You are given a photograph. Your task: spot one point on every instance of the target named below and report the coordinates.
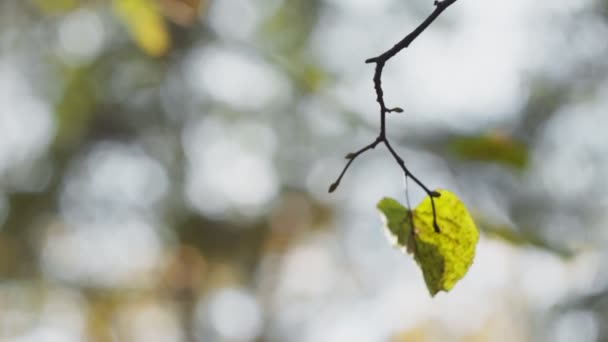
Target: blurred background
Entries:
(164, 167)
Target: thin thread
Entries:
(407, 191)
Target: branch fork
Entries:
(380, 62)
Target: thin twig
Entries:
(351, 157)
(380, 61)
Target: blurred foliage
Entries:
(493, 148)
(76, 104)
(517, 238)
(56, 6)
(153, 104)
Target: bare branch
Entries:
(380, 62)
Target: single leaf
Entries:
(444, 257)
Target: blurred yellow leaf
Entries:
(444, 256)
(494, 147)
(145, 24)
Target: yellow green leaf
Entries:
(397, 222)
(145, 25)
(444, 257)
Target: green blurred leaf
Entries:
(76, 104)
(56, 6)
(288, 28)
(493, 147)
(313, 76)
(443, 257)
(518, 238)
